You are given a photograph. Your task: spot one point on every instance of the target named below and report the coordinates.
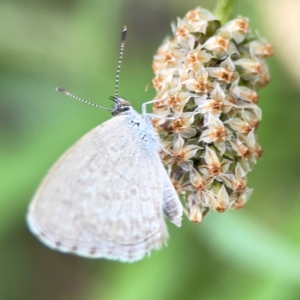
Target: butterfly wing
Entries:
(103, 198)
(172, 207)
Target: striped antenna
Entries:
(80, 99)
(123, 38)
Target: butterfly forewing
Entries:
(104, 197)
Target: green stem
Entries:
(224, 10)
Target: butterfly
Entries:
(107, 196)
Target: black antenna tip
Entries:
(59, 89)
(123, 35)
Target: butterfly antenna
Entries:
(123, 38)
(80, 99)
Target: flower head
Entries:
(207, 76)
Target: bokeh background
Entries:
(253, 253)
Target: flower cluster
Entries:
(206, 78)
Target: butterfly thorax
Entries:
(140, 124)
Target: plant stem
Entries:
(224, 10)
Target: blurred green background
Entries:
(253, 253)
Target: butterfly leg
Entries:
(144, 105)
(160, 117)
(144, 110)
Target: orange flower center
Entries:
(243, 26)
(220, 133)
(222, 43)
(192, 16)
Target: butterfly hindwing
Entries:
(104, 198)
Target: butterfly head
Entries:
(121, 106)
